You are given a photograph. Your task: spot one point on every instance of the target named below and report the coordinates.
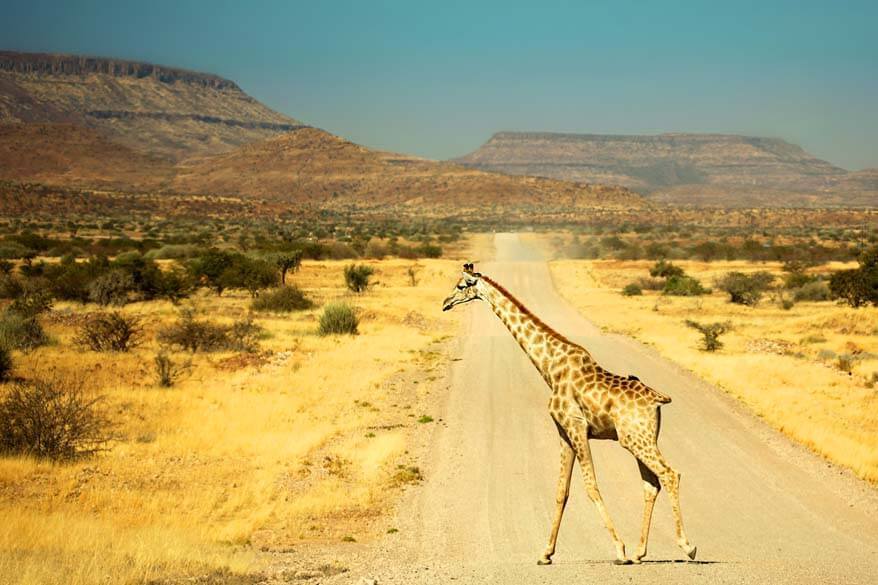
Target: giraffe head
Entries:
(465, 290)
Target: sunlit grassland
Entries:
(300, 441)
(772, 359)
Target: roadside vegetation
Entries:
(173, 403)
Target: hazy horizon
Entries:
(439, 81)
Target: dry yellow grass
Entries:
(299, 442)
(772, 357)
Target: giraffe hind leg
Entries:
(651, 489)
(648, 454)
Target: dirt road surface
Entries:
(759, 508)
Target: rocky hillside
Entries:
(73, 156)
(315, 166)
(153, 109)
(714, 169)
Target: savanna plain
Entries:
(238, 393)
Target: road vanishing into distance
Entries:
(760, 508)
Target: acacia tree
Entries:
(286, 262)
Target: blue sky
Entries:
(438, 78)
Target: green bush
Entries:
(285, 299)
(683, 286)
(664, 269)
(111, 288)
(338, 318)
(55, 418)
(812, 291)
(110, 332)
(632, 290)
(745, 289)
(356, 277)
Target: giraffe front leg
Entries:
(580, 443)
(567, 459)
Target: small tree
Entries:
(710, 333)
(356, 277)
(287, 262)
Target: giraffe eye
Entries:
(461, 286)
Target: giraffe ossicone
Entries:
(586, 402)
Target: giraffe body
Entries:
(586, 402)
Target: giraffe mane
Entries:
(539, 322)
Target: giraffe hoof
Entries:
(623, 562)
(544, 561)
(636, 560)
(692, 552)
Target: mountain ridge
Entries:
(679, 167)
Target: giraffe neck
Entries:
(539, 341)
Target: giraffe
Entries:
(587, 402)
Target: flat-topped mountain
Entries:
(679, 168)
(159, 110)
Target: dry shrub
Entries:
(191, 334)
(56, 418)
(110, 332)
(167, 371)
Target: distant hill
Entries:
(151, 108)
(712, 169)
(318, 167)
(85, 122)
